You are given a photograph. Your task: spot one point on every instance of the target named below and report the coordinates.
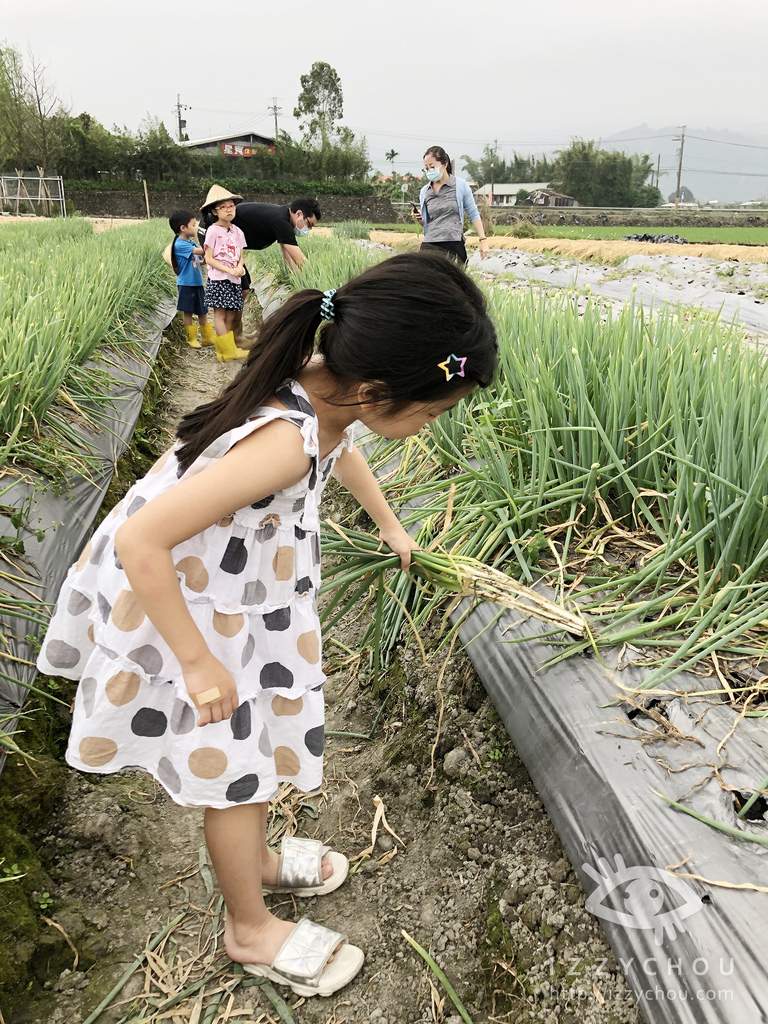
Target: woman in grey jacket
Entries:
(444, 201)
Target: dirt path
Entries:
(605, 250)
(476, 873)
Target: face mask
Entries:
(301, 231)
(434, 174)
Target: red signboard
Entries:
(235, 149)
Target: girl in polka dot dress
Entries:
(190, 618)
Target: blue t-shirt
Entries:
(189, 264)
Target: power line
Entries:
(735, 174)
(722, 142)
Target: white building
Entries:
(506, 195)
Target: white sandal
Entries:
(300, 871)
(302, 961)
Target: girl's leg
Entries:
(187, 318)
(220, 321)
(270, 860)
(231, 314)
(236, 840)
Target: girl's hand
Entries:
(212, 689)
(401, 543)
(483, 248)
(418, 217)
(238, 271)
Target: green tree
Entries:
(481, 170)
(686, 196)
(85, 149)
(518, 168)
(647, 195)
(642, 169)
(576, 172)
(391, 157)
(320, 103)
(158, 156)
(16, 143)
(598, 177)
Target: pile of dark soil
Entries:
(658, 239)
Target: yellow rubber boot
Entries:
(206, 333)
(191, 330)
(226, 349)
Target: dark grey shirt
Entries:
(443, 221)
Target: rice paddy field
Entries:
(612, 483)
(698, 235)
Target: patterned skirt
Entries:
(223, 295)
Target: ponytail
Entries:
(286, 343)
(398, 326)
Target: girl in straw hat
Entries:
(224, 245)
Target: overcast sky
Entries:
(531, 75)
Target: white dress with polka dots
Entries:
(250, 583)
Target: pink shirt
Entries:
(227, 246)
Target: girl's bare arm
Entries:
(263, 463)
(354, 472)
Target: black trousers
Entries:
(454, 250)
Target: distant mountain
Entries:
(731, 167)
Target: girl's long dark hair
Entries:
(177, 220)
(393, 327)
(441, 156)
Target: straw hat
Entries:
(216, 194)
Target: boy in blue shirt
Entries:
(185, 259)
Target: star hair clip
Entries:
(453, 366)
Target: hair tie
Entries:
(453, 366)
(327, 309)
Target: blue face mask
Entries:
(301, 231)
(434, 174)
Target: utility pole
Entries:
(658, 169)
(681, 139)
(274, 109)
(181, 122)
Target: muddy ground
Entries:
(472, 868)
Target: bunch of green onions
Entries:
(364, 559)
